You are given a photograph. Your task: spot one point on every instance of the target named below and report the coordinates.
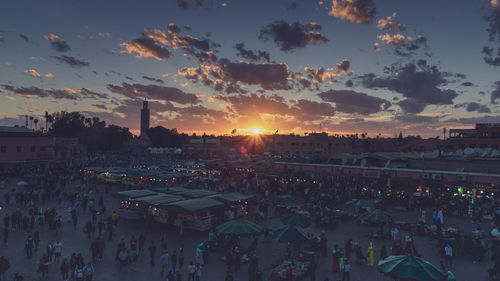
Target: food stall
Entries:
(128, 210)
(236, 203)
(156, 206)
(196, 213)
(299, 269)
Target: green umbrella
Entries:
(284, 199)
(291, 234)
(375, 216)
(299, 218)
(410, 267)
(240, 227)
(360, 203)
(34, 175)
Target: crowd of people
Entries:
(61, 197)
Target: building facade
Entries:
(19, 144)
(485, 135)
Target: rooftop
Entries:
(7, 129)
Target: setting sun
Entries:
(256, 131)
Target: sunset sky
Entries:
(375, 66)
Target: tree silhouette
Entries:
(90, 131)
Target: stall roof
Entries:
(176, 190)
(232, 197)
(194, 205)
(197, 193)
(158, 200)
(133, 194)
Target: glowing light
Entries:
(256, 131)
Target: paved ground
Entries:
(268, 252)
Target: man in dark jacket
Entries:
(4, 266)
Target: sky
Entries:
(341, 66)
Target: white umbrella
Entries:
(22, 183)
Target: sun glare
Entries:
(256, 131)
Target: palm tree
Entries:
(36, 123)
(31, 121)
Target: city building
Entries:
(484, 135)
(20, 144)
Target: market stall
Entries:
(297, 269)
(156, 207)
(196, 213)
(144, 206)
(128, 210)
(236, 203)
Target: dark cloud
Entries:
(467, 84)
(57, 43)
(159, 44)
(137, 91)
(493, 19)
(495, 94)
(306, 110)
(490, 57)
(129, 78)
(100, 106)
(418, 82)
(24, 37)
(227, 75)
(188, 27)
(343, 66)
(253, 104)
(348, 101)
(474, 107)
(475, 120)
(71, 61)
(414, 118)
(255, 55)
(357, 11)
(186, 4)
(153, 79)
(288, 37)
(291, 6)
(62, 93)
(411, 106)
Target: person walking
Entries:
(50, 251)
(29, 247)
(191, 271)
(181, 258)
(152, 253)
(173, 259)
(64, 269)
(371, 255)
(88, 272)
(4, 266)
(79, 273)
(346, 270)
(165, 258)
(197, 274)
(57, 251)
(448, 255)
(142, 241)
